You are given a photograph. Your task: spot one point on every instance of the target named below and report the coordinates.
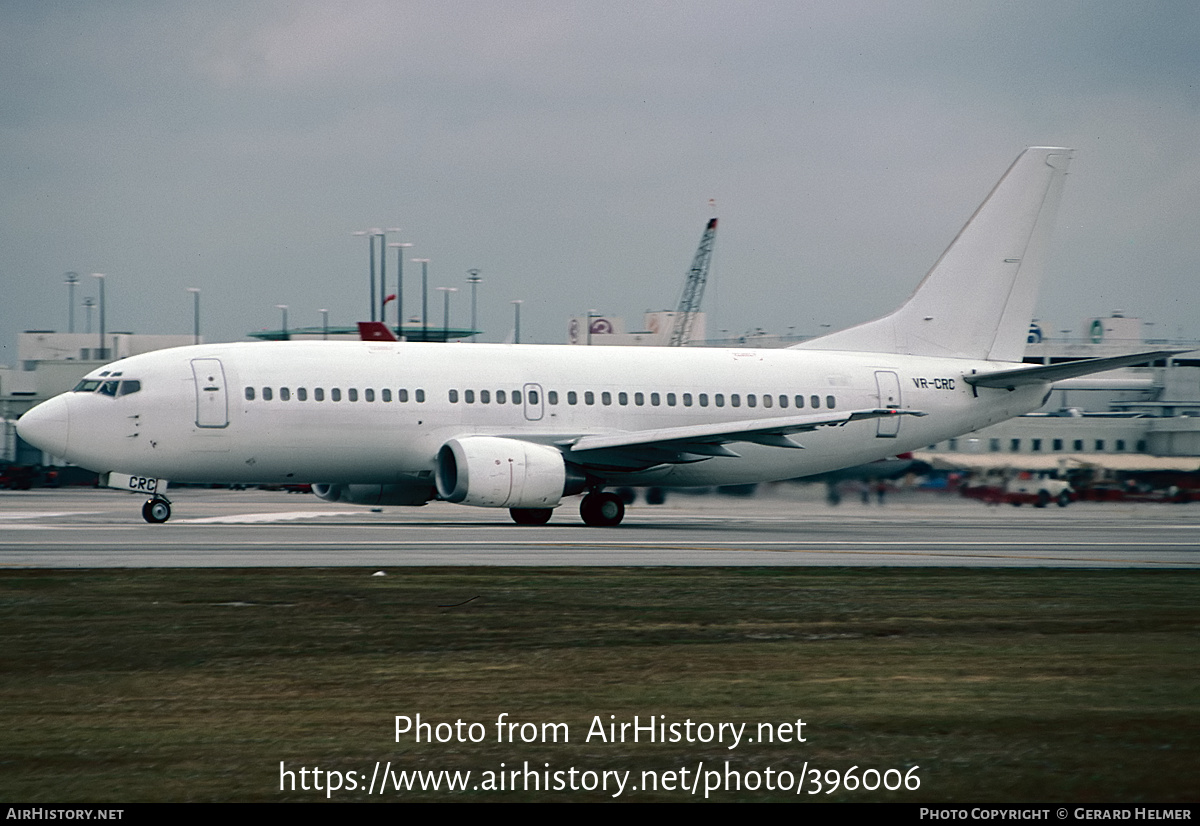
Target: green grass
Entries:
(1001, 685)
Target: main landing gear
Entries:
(602, 510)
(598, 509)
(157, 510)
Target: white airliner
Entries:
(525, 426)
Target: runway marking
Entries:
(44, 514)
(259, 518)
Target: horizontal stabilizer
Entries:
(1022, 376)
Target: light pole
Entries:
(370, 233)
(473, 279)
(383, 271)
(100, 276)
(72, 278)
(284, 308)
(88, 303)
(445, 291)
(324, 324)
(517, 320)
(591, 314)
(195, 291)
(424, 262)
(400, 247)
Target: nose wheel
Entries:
(602, 510)
(156, 510)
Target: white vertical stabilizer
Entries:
(978, 299)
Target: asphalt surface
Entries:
(784, 525)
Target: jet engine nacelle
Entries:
(493, 472)
(375, 494)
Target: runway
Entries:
(789, 525)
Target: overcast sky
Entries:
(569, 151)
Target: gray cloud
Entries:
(569, 150)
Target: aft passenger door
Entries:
(887, 384)
(212, 404)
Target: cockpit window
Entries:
(86, 386)
(109, 388)
(130, 386)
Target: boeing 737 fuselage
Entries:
(522, 427)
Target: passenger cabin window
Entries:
(799, 402)
(319, 394)
(639, 399)
(485, 397)
(249, 394)
(469, 396)
(606, 398)
(552, 396)
(386, 394)
(830, 402)
(402, 395)
(589, 397)
(369, 395)
(719, 399)
(420, 396)
(453, 397)
(502, 397)
(516, 396)
(302, 394)
(267, 394)
(687, 399)
(533, 397)
(351, 394)
(670, 400)
(285, 394)
(335, 394)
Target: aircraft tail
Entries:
(978, 299)
(375, 331)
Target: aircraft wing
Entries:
(691, 443)
(1009, 379)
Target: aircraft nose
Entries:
(47, 426)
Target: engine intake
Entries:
(494, 472)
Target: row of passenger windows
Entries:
(639, 399)
(335, 394)
(573, 397)
(1055, 445)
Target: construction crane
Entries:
(693, 288)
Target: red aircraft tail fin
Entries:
(375, 331)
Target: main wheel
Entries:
(530, 516)
(602, 510)
(1064, 499)
(156, 511)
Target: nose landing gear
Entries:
(156, 510)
